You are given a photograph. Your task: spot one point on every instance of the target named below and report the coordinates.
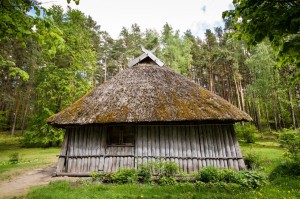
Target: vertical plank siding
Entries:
(192, 147)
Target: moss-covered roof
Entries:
(148, 93)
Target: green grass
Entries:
(29, 157)
(269, 155)
(282, 188)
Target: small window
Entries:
(120, 135)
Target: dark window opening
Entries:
(121, 135)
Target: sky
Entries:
(112, 15)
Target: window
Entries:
(121, 135)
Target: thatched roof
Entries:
(148, 93)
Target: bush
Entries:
(248, 179)
(123, 176)
(229, 175)
(251, 179)
(167, 180)
(291, 140)
(252, 160)
(210, 174)
(170, 169)
(41, 134)
(246, 132)
(49, 137)
(144, 174)
(3, 120)
(100, 176)
(288, 167)
(14, 158)
(163, 168)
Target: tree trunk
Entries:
(237, 92)
(230, 92)
(223, 83)
(275, 115)
(259, 118)
(26, 109)
(211, 78)
(15, 117)
(292, 108)
(267, 117)
(242, 95)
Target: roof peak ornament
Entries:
(147, 53)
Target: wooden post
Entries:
(202, 145)
(64, 148)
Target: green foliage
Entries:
(99, 176)
(247, 179)
(170, 169)
(48, 136)
(144, 174)
(286, 168)
(246, 132)
(210, 174)
(3, 120)
(164, 168)
(14, 158)
(123, 176)
(253, 160)
(167, 180)
(177, 51)
(291, 140)
(290, 165)
(278, 21)
(252, 179)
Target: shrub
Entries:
(251, 179)
(229, 175)
(288, 167)
(123, 176)
(41, 134)
(144, 174)
(246, 132)
(248, 179)
(48, 137)
(170, 169)
(99, 176)
(3, 120)
(14, 158)
(210, 174)
(164, 168)
(291, 140)
(252, 160)
(167, 180)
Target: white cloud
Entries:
(112, 15)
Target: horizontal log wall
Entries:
(192, 147)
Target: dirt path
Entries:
(20, 185)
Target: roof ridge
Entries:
(146, 54)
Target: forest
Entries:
(51, 57)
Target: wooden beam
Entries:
(147, 53)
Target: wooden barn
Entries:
(144, 114)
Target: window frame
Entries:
(121, 131)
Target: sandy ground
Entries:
(21, 184)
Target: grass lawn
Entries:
(269, 151)
(282, 188)
(29, 157)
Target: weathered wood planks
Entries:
(192, 147)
